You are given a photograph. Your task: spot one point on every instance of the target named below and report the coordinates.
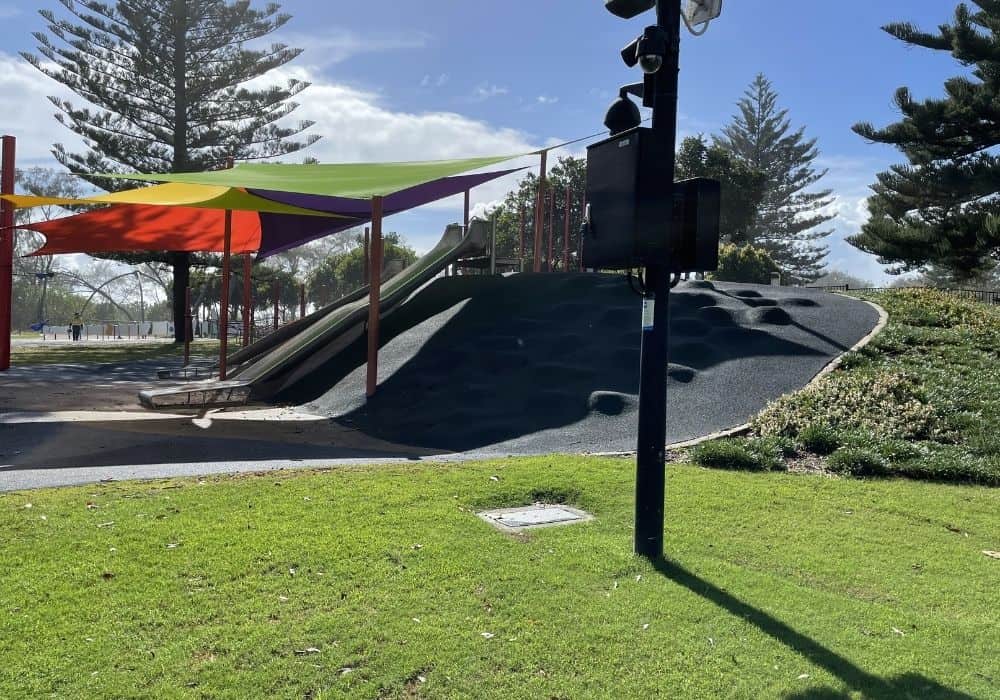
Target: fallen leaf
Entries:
(993, 555)
(494, 478)
(711, 641)
(417, 620)
(418, 546)
(638, 578)
(43, 517)
(803, 676)
(108, 524)
(92, 506)
(27, 505)
(283, 599)
(345, 670)
(421, 679)
(173, 545)
(291, 572)
(307, 650)
(488, 635)
(899, 632)
(646, 626)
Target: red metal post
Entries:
(302, 301)
(224, 302)
(552, 225)
(374, 297)
(277, 303)
(188, 322)
(520, 244)
(539, 212)
(366, 275)
(565, 265)
(247, 296)
(7, 165)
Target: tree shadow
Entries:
(904, 686)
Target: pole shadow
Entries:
(910, 685)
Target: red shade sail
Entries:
(127, 228)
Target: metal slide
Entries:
(316, 338)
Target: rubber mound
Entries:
(549, 363)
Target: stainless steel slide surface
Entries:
(292, 359)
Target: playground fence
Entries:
(986, 296)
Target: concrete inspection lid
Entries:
(534, 516)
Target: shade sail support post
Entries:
(565, 260)
(374, 298)
(302, 301)
(539, 214)
(247, 296)
(277, 303)
(227, 243)
(520, 244)
(367, 274)
(552, 227)
(7, 234)
(188, 326)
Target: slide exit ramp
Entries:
(286, 361)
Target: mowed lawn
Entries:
(383, 583)
(110, 352)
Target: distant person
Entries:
(77, 326)
(150, 334)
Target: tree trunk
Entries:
(182, 279)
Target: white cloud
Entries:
(338, 45)
(431, 81)
(28, 114)
(9, 11)
(488, 91)
(547, 100)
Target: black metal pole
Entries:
(650, 478)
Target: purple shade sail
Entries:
(281, 233)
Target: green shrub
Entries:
(738, 454)
(819, 439)
(886, 403)
(857, 461)
(744, 263)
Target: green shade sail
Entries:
(352, 180)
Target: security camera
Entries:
(647, 51)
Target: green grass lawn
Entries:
(922, 400)
(67, 353)
(382, 583)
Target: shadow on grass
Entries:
(908, 685)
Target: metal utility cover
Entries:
(538, 515)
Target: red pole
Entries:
(565, 266)
(302, 301)
(466, 217)
(7, 164)
(366, 275)
(374, 296)
(539, 213)
(187, 326)
(247, 286)
(552, 225)
(277, 303)
(520, 244)
(224, 308)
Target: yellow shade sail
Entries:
(175, 195)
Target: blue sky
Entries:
(440, 78)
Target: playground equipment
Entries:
(290, 354)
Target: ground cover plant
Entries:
(383, 583)
(922, 400)
(67, 353)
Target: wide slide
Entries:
(289, 357)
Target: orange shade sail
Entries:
(148, 228)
